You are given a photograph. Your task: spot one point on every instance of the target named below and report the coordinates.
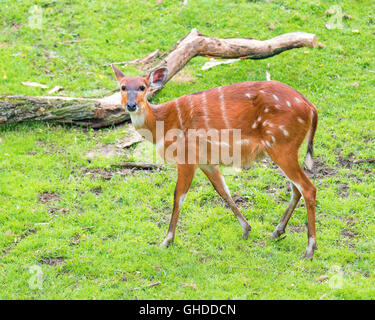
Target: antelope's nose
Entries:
(131, 106)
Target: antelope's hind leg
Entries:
(290, 166)
(217, 180)
(280, 229)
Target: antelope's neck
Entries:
(146, 122)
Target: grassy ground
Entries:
(74, 229)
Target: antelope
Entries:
(273, 119)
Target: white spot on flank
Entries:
(268, 131)
(273, 139)
(277, 106)
(248, 95)
(262, 91)
(266, 110)
(297, 100)
(222, 107)
(268, 144)
(255, 124)
(259, 118)
(179, 113)
(270, 125)
(275, 97)
(244, 141)
(289, 104)
(300, 120)
(282, 128)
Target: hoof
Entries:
(310, 249)
(246, 231)
(167, 241)
(277, 233)
(309, 254)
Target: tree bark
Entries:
(95, 113)
(106, 111)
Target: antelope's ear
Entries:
(157, 78)
(118, 73)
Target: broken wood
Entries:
(195, 44)
(364, 160)
(102, 112)
(139, 165)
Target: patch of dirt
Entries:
(349, 233)
(106, 174)
(17, 241)
(97, 190)
(350, 222)
(58, 261)
(47, 197)
(343, 190)
(345, 162)
(240, 201)
(297, 229)
(320, 170)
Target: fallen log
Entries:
(95, 113)
(102, 112)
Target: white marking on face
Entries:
(300, 120)
(282, 128)
(289, 104)
(275, 97)
(179, 114)
(297, 100)
(138, 119)
(222, 107)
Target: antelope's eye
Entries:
(123, 88)
(142, 88)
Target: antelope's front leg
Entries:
(185, 175)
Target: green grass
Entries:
(98, 238)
